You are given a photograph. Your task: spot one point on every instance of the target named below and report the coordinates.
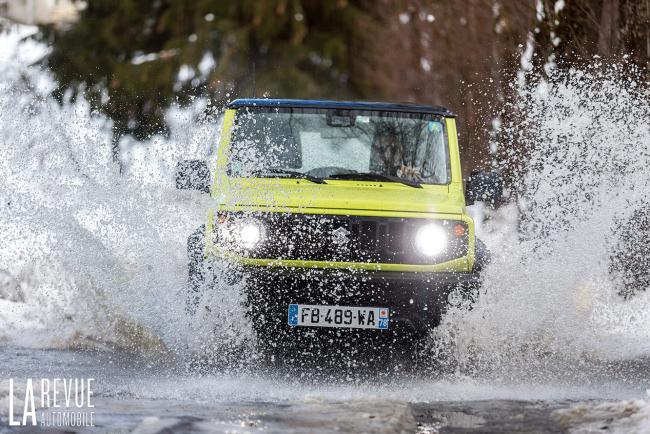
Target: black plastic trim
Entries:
(347, 105)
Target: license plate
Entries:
(308, 315)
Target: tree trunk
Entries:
(608, 37)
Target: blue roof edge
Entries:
(350, 105)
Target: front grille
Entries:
(336, 238)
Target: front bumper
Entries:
(416, 300)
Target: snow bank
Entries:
(623, 417)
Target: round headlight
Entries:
(250, 234)
(431, 239)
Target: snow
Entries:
(140, 58)
(425, 64)
(622, 417)
(185, 73)
(525, 62)
(207, 64)
(539, 10)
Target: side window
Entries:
(432, 153)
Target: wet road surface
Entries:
(140, 396)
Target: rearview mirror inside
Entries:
(339, 118)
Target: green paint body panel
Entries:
(340, 197)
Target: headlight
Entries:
(431, 239)
(250, 233)
(238, 233)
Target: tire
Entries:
(482, 256)
(195, 269)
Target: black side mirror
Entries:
(484, 187)
(193, 175)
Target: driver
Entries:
(386, 153)
(387, 156)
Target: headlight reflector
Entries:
(431, 239)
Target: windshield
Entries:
(344, 144)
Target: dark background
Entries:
(464, 55)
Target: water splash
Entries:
(580, 146)
(91, 256)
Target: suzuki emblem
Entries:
(340, 236)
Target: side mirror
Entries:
(484, 187)
(193, 175)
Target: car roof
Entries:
(329, 104)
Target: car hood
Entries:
(337, 195)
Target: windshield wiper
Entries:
(284, 173)
(369, 176)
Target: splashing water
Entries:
(549, 304)
(90, 255)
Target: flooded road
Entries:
(137, 395)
